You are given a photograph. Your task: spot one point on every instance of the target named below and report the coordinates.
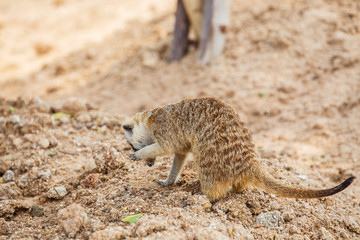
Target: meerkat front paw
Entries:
(133, 157)
(150, 161)
(163, 183)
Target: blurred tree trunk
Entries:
(213, 31)
(209, 19)
(180, 42)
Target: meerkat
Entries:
(222, 147)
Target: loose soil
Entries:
(291, 69)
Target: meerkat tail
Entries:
(268, 183)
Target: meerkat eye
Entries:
(128, 128)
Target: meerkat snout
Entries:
(137, 134)
(222, 146)
(128, 131)
(128, 128)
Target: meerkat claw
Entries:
(133, 157)
(162, 183)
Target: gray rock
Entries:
(269, 219)
(61, 190)
(9, 176)
(15, 119)
(23, 181)
(45, 174)
(57, 192)
(37, 211)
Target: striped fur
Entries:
(222, 146)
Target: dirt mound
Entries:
(58, 159)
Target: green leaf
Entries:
(52, 154)
(12, 109)
(59, 115)
(261, 94)
(132, 218)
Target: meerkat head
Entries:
(137, 133)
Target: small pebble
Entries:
(288, 216)
(44, 142)
(8, 176)
(302, 177)
(15, 119)
(269, 219)
(254, 206)
(57, 192)
(45, 174)
(61, 190)
(84, 118)
(37, 211)
(17, 142)
(53, 141)
(23, 181)
(65, 120)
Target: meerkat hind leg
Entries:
(177, 166)
(239, 186)
(215, 190)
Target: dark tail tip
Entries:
(348, 181)
(344, 184)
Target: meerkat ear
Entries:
(128, 128)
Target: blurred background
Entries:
(113, 54)
(293, 62)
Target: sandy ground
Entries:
(290, 68)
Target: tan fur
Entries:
(222, 146)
